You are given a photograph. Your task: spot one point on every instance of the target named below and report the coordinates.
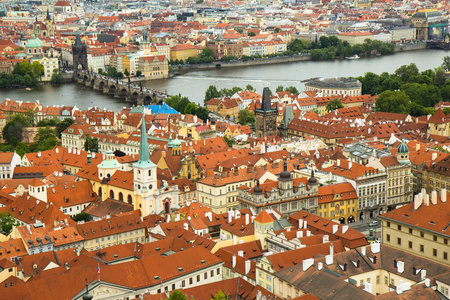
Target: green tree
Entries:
(177, 295)
(7, 222)
(248, 87)
(292, 90)
(246, 116)
(56, 76)
(138, 73)
(393, 101)
(206, 56)
(37, 69)
(191, 108)
(82, 216)
(324, 42)
(45, 139)
(422, 94)
(229, 142)
(90, 144)
(406, 72)
(220, 295)
(202, 113)
(446, 110)
(22, 149)
(211, 92)
(279, 89)
(439, 77)
(334, 104)
(370, 83)
(251, 33)
(276, 30)
(446, 63)
(296, 46)
(126, 73)
(63, 125)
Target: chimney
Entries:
(299, 234)
(247, 266)
(434, 197)
(331, 249)
(233, 261)
(325, 238)
(308, 233)
(375, 248)
(444, 195)
(363, 251)
(350, 164)
(399, 289)
(417, 146)
(329, 259)
(335, 228)
(434, 156)
(400, 266)
(247, 219)
(305, 224)
(319, 266)
(234, 240)
(417, 202)
(185, 226)
(241, 253)
(344, 229)
(423, 274)
(307, 263)
(426, 200)
(427, 282)
(230, 217)
(300, 223)
(209, 216)
(338, 162)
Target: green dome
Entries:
(403, 148)
(34, 42)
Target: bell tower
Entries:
(266, 117)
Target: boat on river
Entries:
(353, 57)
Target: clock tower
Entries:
(265, 117)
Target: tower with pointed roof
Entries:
(265, 117)
(145, 177)
(79, 52)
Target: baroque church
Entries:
(139, 187)
(42, 29)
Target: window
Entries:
(206, 275)
(378, 279)
(399, 227)
(421, 248)
(386, 282)
(410, 231)
(445, 255)
(388, 237)
(218, 271)
(446, 241)
(183, 283)
(421, 234)
(434, 238)
(399, 241)
(212, 273)
(191, 281)
(434, 252)
(410, 245)
(368, 280)
(198, 278)
(361, 282)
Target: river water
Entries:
(194, 84)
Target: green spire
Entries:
(144, 158)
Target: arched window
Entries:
(121, 196)
(100, 191)
(130, 200)
(111, 194)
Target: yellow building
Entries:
(420, 227)
(154, 67)
(226, 107)
(183, 51)
(439, 124)
(338, 202)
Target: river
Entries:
(194, 84)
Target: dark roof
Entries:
(106, 38)
(337, 82)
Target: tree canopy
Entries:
(334, 104)
(246, 116)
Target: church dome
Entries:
(34, 42)
(312, 179)
(403, 148)
(285, 174)
(258, 189)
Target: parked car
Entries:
(373, 223)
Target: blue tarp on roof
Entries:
(161, 109)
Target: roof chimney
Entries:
(368, 287)
(247, 219)
(241, 253)
(329, 259)
(307, 263)
(325, 238)
(426, 200)
(423, 274)
(344, 229)
(434, 155)
(375, 248)
(400, 266)
(299, 234)
(331, 249)
(300, 223)
(305, 224)
(417, 202)
(363, 251)
(247, 266)
(417, 146)
(233, 261)
(319, 266)
(444, 195)
(434, 197)
(335, 228)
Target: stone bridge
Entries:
(120, 88)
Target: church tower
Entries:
(266, 117)
(79, 51)
(145, 179)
